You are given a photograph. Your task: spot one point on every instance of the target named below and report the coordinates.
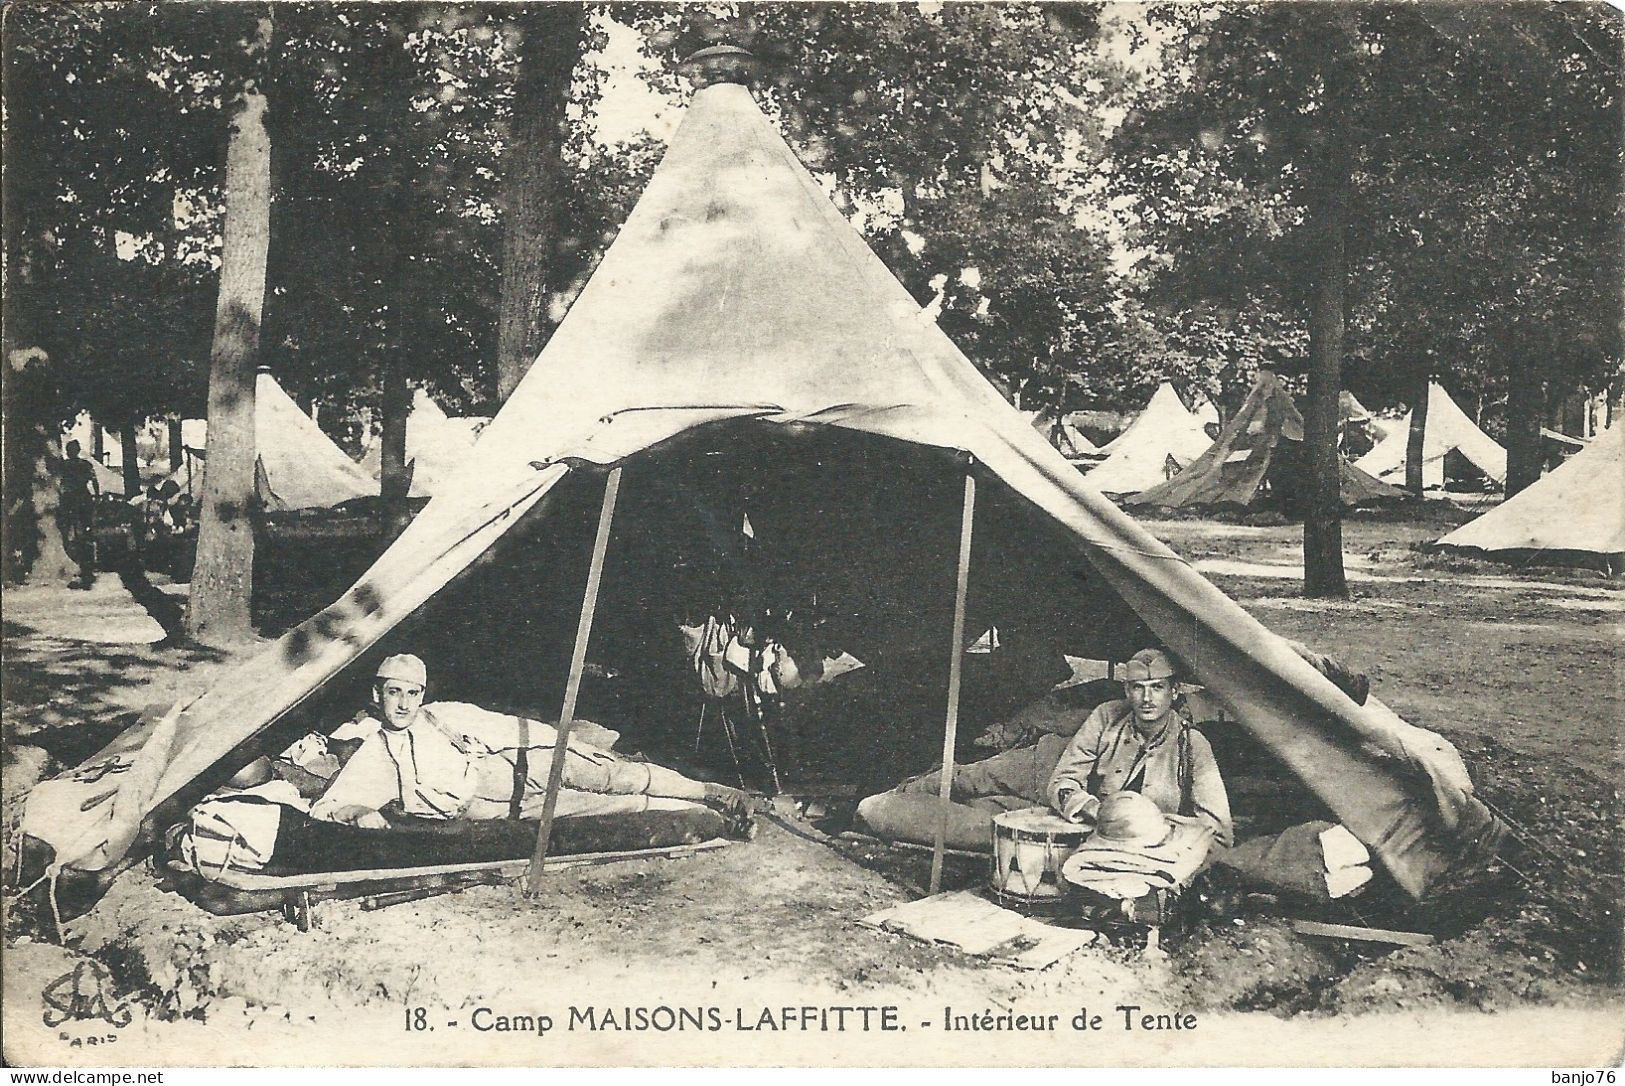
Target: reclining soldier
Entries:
(1140, 743)
(453, 760)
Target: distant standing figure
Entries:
(76, 513)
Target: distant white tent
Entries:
(83, 430)
(435, 445)
(1204, 409)
(1068, 440)
(107, 480)
(1577, 509)
(1162, 440)
(1350, 409)
(1448, 430)
(297, 465)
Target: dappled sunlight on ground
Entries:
(1521, 672)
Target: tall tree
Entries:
(223, 578)
(549, 39)
(1330, 171)
(103, 288)
(1451, 117)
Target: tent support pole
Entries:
(955, 668)
(572, 686)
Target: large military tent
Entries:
(1447, 430)
(297, 466)
(1162, 440)
(435, 445)
(739, 323)
(1575, 514)
(1256, 458)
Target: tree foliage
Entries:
(1485, 207)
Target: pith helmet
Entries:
(1128, 818)
(405, 667)
(1148, 664)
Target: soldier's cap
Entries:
(1148, 664)
(405, 667)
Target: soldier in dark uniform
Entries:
(76, 514)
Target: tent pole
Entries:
(572, 686)
(955, 667)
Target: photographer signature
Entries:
(83, 993)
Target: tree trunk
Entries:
(1526, 405)
(223, 578)
(1416, 440)
(48, 561)
(1323, 499)
(34, 550)
(551, 38)
(177, 444)
(132, 465)
(394, 484)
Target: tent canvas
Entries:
(83, 429)
(108, 480)
(1448, 430)
(736, 300)
(1257, 451)
(297, 466)
(1068, 440)
(435, 445)
(1350, 409)
(1139, 458)
(1573, 513)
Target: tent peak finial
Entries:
(720, 64)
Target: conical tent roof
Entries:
(1067, 439)
(1448, 430)
(110, 481)
(736, 294)
(1258, 446)
(1575, 511)
(435, 445)
(1140, 456)
(298, 466)
(1350, 409)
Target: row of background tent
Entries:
(1164, 458)
(297, 466)
(1256, 453)
(1574, 514)
(1167, 441)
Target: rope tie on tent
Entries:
(1135, 550)
(51, 875)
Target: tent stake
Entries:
(572, 686)
(955, 666)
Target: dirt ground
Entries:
(1520, 668)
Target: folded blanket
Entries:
(1125, 871)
